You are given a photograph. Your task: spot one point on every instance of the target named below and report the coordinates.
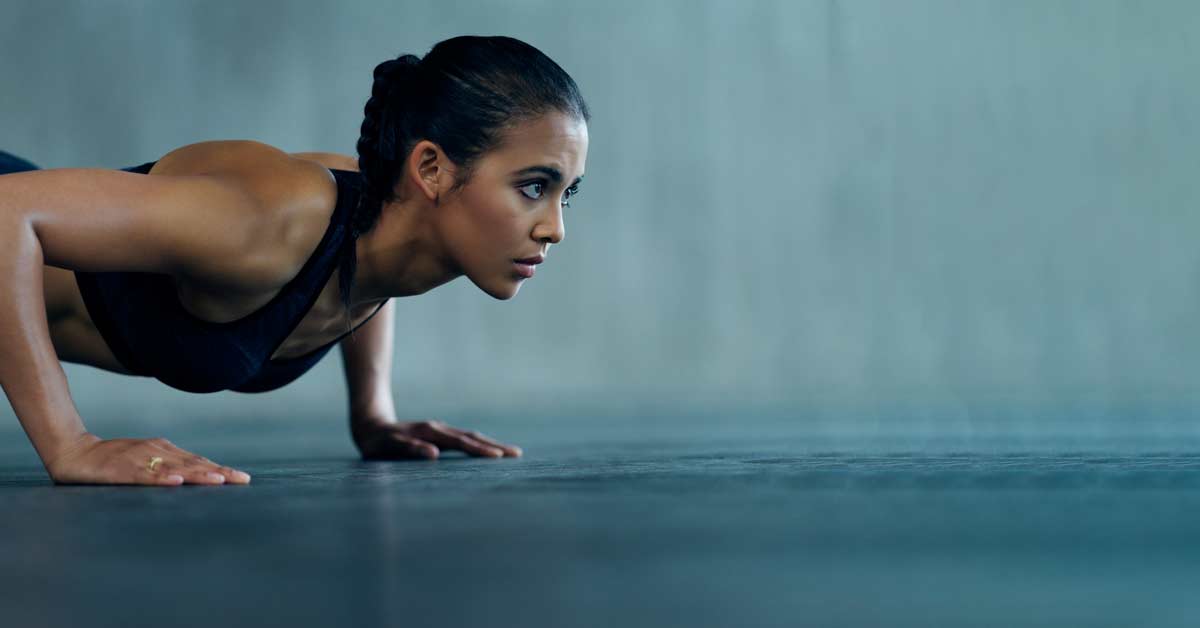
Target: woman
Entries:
(212, 268)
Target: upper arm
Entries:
(93, 219)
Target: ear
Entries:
(430, 170)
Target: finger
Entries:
(232, 476)
(191, 473)
(141, 474)
(457, 439)
(146, 476)
(510, 450)
(159, 476)
(398, 445)
(184, 464)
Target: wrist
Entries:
(66, 447)
(364, 433)
(370, 421)
(373, 412)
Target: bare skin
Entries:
(428, 236)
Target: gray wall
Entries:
(907, 216)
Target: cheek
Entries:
(498, 221)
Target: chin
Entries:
(500, 292)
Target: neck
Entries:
(400, 256)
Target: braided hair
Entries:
(463, 95)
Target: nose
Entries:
(551, 230)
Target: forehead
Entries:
(553, 139)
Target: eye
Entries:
(540, 186)
(571, 191)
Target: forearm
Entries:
(30, 372)
(367, 362)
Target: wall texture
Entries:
(919, 215)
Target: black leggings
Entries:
(10, 163)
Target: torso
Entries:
(302, 223)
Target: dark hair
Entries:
(463, 95)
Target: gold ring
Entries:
(154, 461)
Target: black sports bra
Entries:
(140, 317)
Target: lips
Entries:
(537, 259)
(525, 270)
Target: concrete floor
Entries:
(717, 527)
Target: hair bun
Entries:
(396, 71)
(395, 83)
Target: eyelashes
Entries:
(541, 185)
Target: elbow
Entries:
(19, 239)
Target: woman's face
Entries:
(512, 206)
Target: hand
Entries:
(379, 439)
(92, 460)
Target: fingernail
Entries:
(175, 478)
(242, 476)
(216, 477)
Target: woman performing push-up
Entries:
(232, 265)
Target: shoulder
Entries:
(294, 199)
(277, 179)
(330, 160)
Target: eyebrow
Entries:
(553, 173)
